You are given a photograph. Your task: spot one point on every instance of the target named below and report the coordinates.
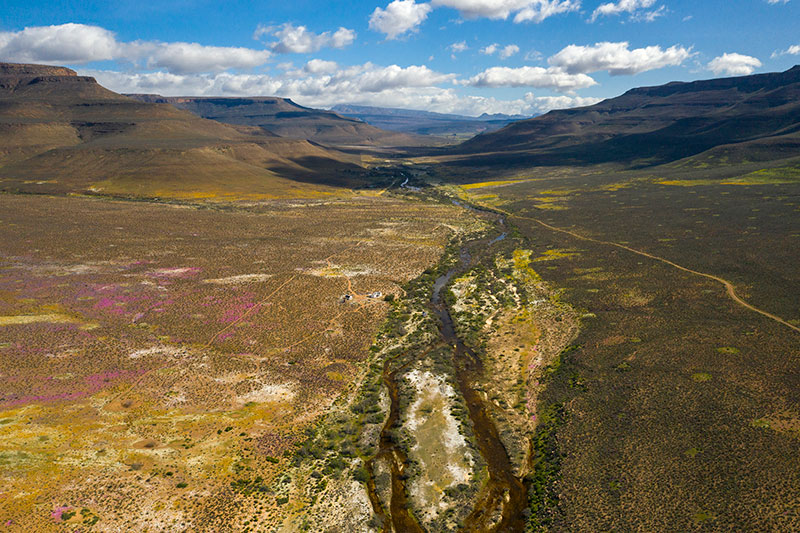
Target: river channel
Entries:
(503, 499)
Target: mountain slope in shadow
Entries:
(656, 125)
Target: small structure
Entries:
(376, 294)
(346, 298)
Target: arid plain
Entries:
(564, 325)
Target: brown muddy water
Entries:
(503, 499)
(399, 519)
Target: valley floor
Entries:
(579, 350)
(161, 361)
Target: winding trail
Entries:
(727, 284)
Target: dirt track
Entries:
(727, 284)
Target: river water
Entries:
(504, 497)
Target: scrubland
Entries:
(675, 398)
(160, 362)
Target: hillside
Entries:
(285, 118)
(103, 142)
(656, 125)
(426, 122)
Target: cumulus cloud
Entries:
(299, 40)
(458, 47)
(550, 78)
(182, 58)
(525, 10)
(316, 79)
(504, 52)
(381, 79)
(616, 58)
(320, 66)
(399, 17)
(67, 43)
(79, 43)
(636, 8)
(352, 85)
(544, 104)
(508, 51)
(733, 65)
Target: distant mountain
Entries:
(63, 133)
(759, 115)
(285, 118)
(426, 122)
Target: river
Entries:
(504, 497)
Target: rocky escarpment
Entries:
(38, 82)
(16, 75)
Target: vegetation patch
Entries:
(728, 350)
(546, 470)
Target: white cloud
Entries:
(366, 84)
(533, 55)
(733, 64)
(399, 17)
(550, 78)
(493, 9)
(542, 9)
(458, 47)
(299, 40)
(617, 58)
(411, 87)
(316, 79)
(320, 66)
(508, 51)
(777, 1)
(79, 43)
(67, 43)
(633, 7)
(381, 79)
(504, 52)
(791, 51)
(544, 104)
(649, 16)
(526, 10)
(182, 58)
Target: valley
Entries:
(285, 320)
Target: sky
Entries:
(453, 56)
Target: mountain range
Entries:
(287, 119)
(746, 118)
(426, 122)
(64, 133)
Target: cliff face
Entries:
(48, 82)
(22, 70)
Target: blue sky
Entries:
(463, 56)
